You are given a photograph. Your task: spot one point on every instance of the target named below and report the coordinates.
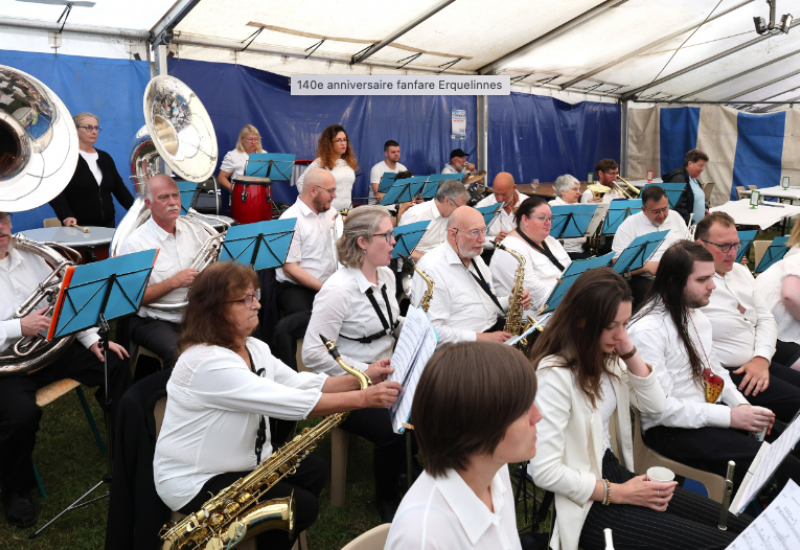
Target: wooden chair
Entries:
(741, 192)
(141, 351)
(760, 247)
(374, 539)
(707, 190)
(52, 222)
(752, 187)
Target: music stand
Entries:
(490, 213)
(573, 271)
(407, 237)
(262, 245)
(403, 191)
(775, 253)
(270, 166)
(387, 180)
(92, 295)
(439, 179)
(188, 192)
(639, 251)
(673, 190)
(618, 212)
(746, 238)
(571, 221)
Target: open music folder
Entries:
(776, 527)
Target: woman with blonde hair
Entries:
(357, 307)
(234, 162)
(335, 154)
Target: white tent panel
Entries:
(123, 14)
(28, 40)
(773, 89)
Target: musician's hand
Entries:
(379, 197)
(69, 221)
(470, 166)
(34, 323)
(185, 277)
(379, 370)
(641, 492)
(498, 336)
(650, 267)
(382, 395)
(596, 200)
(500, 236)
(751, 419)
(525, 300)
(97, 349)
(756, 376)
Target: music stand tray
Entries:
(271, 166)
(571, 221)
(490, 213)
(639, 251)
(570, 275)
(618, 212)
(387, 180)
(674, 191)
(746, 238)
(775, 253)
(403, 191)
(407, 237)
(262, 245)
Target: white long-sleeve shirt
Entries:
(341, 308)
(638, 225)
(504, 221)
(344, 176)
(739, 337)
(459, 307)
(436, 232)
(312, 243)
(658, 342)
(768, 288)
(214, 406)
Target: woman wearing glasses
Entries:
(224, 385)
(234, 162)
(87, 198)
(545, 258)
(357, 307)
(335, 154)
(568, 191)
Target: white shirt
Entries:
(341, 307)
(638, 225)
(20, 273)
(459, 307)
(504, 221)
(768, 289)
(344, 176)
(377, 173)
(587, 196)
(541, 275)
(234, 162)
(176, 253)
(436, 233)
(312, 244)
(570, 245)
(739, 337)
(91, 160)
(443, 513)
(448, 169)
(657, 340)
(214, 406)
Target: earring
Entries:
(364, 250)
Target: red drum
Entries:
(251, 199)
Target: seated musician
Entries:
(568, 191)
(21, 272)
(693, 199)
(335, 154)
(450, 195)
(178, 242)
(545, 258)
(235, 161)
(743, 327)
(357, 307)
(458, 163)
(706, 419)
(223, 387)
(504, 191)
(311, 259)
(607, 171)
(464, 499)
(589, 373)
(655, 216)
(389, 165)
(464, 306)
(779, 288)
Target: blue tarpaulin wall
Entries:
(541, 137)
(112, 89)
(759, 150)
(678, 132)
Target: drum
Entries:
(251, 199)
(93, 246)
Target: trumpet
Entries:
(630, 191)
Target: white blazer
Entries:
(569, 451)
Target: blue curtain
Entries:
(759, 150)
(678, 131)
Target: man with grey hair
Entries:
(178, 244)
(568, 191)
(450, 195)
(504, 191)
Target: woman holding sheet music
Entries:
(357, 307)
(335, 154)
(233, 164)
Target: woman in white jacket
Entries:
(586, 377)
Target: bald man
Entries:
(504, 190)
(172, 275)
(463, 307)
(312, 258)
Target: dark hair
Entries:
(693, 156)
(704, 227)
(204, 321)
(405, 174)
(390, 143)
(467, 397)
(606, 165)
(327, 153)
(574, 331)
(528, 205)
(669, 286)
(653, 193)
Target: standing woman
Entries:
(587, 379)
(87, 198)
(335, 154)
(357, 307)
(545, 258)
(234, 162)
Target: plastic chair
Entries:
(752, 187)
(374, 539)
(741, 192)
(760, 247)
(143, 351)
(52, 222)
(707, 190)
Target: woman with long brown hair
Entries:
(335, 154)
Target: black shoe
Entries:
(20, 511)
(386, 508)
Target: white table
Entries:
(778, 192)
(641, 183)
(761, 216)
(73, 237)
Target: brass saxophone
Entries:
(425, 302)
(234, 515)
(515, 325)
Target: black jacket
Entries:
(89, 203)
(685, 204)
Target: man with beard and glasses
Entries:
(464, 306)
(706, 421)
(311, 259)
(178, 243)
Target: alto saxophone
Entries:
(425, 301)
(515, 325)
(235, 515)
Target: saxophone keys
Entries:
(215, 544)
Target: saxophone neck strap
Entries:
(388, 326)
(261, 434)
(543, 249)
(485, 286)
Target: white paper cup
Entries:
(659, 473)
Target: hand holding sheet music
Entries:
(777, 526)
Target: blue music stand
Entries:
(674, 191)
(387, 180)
(571, 221)
(775, 253)
(407, 237)
(489, 212)
(439, 179)
(262, 245)
(573, 271)
(272, 166)
(639, 251)
(618, 212)
(188, 191)
(746, 238)
(403, 191)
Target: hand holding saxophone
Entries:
(525, 300)
(35, 323)
(499, 337)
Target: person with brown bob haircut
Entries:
(473, 413)
(335, 154)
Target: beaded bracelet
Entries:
(606, 493)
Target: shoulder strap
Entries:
(544, 249)
(485, 287)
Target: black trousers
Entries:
(306, 484)
(787, 353)
(20, 416)
(689, 522)
(782, 396)
(160, 337)
(388, 458)
(294, 298)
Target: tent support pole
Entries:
(623, 154)
(483, 133)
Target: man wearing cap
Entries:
(458, 163)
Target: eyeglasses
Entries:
(90, 128)
(388, 235)
(725, 248)
(253, 140)
(474, 233)
(5, 217)
(331, 191)
(659, 211)
(340, 140)
(544, 219)
(248, 300)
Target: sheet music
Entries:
(776, 527)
